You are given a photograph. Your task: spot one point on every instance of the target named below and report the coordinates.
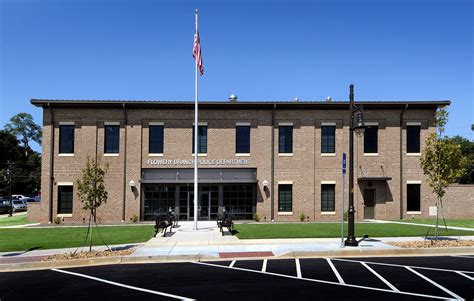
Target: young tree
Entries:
(442, 161)
(25, 129)
(91, 191)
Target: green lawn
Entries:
(23, 239)
(14, 220)
(323, 230)
(468, 223)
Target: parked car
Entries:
(5, 204)
(19, 196)
(28, 200)
(19, 205)
(37, 198)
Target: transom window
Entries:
(285, 197)
(370, 140)
(202, 139)
(328, 139)
(285, 139)
(156, 133)
(112, 139)
(242, 139)
(66, 139)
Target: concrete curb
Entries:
(46, 265)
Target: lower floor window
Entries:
(65, 199)
(285, 197)
(239, 200)
(328, 197)
(159, 198)
(413, 197)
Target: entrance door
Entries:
(369, 203)
(204, 202)
(203, 205)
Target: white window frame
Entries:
(65, 184)
(67, 123)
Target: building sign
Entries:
(222, 162)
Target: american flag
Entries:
(197, 52)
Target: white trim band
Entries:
(112, 123)
(328, 182)
(418, 123)
(285, 182)
(328, 124)
(413, 182)
(65, 184)
(242, 124)
(152, 123)
(285, 123)
(67, 123)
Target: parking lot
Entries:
(396, 278)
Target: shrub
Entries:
(346, 215)
(57, 220)
(256, 217)
(134, 218)
(302, 217)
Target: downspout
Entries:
(401, 160)
(124, 163)
(272, 192)
(51, 167)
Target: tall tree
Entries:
(442, 161)
(467, 149)
(25, 129)
(91, 191)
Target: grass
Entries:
(23, 239)
(14, 220)
(467, 223)
(325, 230)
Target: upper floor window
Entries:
(328, 199)
(328, 139)
(285, 139)
(112, 138)
(156, 137)
(413, 138)
(242, 139)
(370, 140)
(202, 139)
(66, 138)
(285, 197)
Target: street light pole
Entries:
(351, 240)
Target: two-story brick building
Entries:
(276, 159)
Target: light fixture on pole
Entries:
(358, 126)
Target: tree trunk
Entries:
(437, 220)
(90, 229)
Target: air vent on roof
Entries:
(233, 98)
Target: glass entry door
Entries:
(203, 205)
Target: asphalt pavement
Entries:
(387, 278)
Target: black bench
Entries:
(162, 222)
(225, 221)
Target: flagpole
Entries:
(196, 138)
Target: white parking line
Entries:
(467, 276)
(123, 285)
(399, 265)
(434, 283)
(380, 277)
(232, 264)
(463, 256)
(298, 268)
(323, 281)
(264, 266)
(341, 281)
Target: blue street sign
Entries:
(344, 163)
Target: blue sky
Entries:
(259, 50)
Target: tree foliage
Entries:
(467, 150)
(25, 129)
(91, 188)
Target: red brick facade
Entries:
(306, 168)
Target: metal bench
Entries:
(225, 221)
(162, 222)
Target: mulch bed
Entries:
(434, 244)
(85, 255)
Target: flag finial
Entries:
(197, 11)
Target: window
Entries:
(328, 197)
(202, 139)
(242, 139)
(112, 139)
(413, 197)
(285, 139)
(155, 143)
(328, 139)
(159, 199)
(66, 139)
(65, 199)
(370, 140)
(285, 192)
(239, 200)
(413, 138)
